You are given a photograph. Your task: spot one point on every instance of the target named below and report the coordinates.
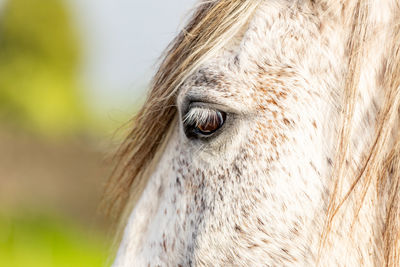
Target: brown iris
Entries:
(213, 122)
(202, 122)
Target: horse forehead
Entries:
(249, 86)
(268, 54)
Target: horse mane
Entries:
(212, 25)
(381, 166)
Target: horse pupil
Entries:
(213, 123)
(208, 127)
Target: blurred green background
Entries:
(71, 73)
(53, 149)
(39, 57)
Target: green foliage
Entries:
(48, 241)
(39, 56)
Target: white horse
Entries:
(269, 138)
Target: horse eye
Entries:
(203, 122)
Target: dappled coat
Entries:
(269, 138)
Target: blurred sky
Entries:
(123, 40)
